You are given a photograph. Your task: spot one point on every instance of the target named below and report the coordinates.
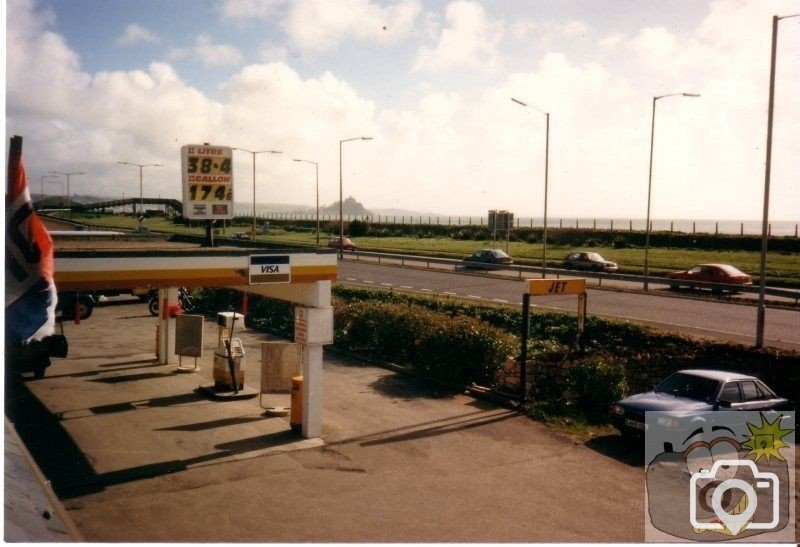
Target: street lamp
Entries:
(141, 194)
(650, 181)
(546, 168)
(41, 182)
(762, 281)
(316, 169)
(69, 196)
(254, 153)
(341, 215)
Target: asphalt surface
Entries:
(709, 318)
(136, 455)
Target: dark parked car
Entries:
(696, 390)
(487, 256)
(334, 243)
(588, 261)
(714, 273)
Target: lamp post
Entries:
(546, 169)
(254, 153)
(316, 169)
(69, 196)
(41, 182)
(141, 166)
(762, 281)
(341, 209)
(650, 182)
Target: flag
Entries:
(30, 290)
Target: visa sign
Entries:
(270, 269)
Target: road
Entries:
(713, 319)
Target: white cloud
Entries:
(455, 151)
(321, 25)
(208, 53)
(136, 34)
(469, 40)
(243, 10)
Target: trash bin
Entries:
(296, 415)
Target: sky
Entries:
(90, 83)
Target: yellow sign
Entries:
(207, 181)
(541, 287)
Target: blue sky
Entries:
(91, 83)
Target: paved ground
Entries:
(136, 455)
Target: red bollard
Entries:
(76, 310)
(244, 303)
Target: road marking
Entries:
(426, 290)
(500, 300)
(450, 293)
(365, 281)
(351, 278)
(405, 287)
(386, 284)
(474, 296)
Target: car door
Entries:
(732, 394)
(752, 397)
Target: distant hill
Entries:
(349, 207)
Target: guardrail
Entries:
(600, 276)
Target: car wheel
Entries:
(152, 305)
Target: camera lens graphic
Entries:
(734, 523)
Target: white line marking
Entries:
(474, 296)
(499, 300)
(427, 290)
(450, 293)
(365, 281)
(351, 278)
(405, 287)
(386, 284)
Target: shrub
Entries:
(357, 228)
(457, 349)
(596, 385)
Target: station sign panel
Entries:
(313, 325)
(270, 269)
(207, 172)
(542, 287)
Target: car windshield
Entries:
(596, 257)
(499, 254)
(689, 386)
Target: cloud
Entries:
(455, 150)
(244, 10)
(136, 34)
(469, 40)
(321, 25)
(208, 53)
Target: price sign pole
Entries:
(207, 185)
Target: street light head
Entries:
(518, 101)
(275, 152)
(691, 94)
(294, 159)
(366, 138)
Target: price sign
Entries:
(207, 181)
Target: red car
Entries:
(713, 273)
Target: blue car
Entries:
(696, 391)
